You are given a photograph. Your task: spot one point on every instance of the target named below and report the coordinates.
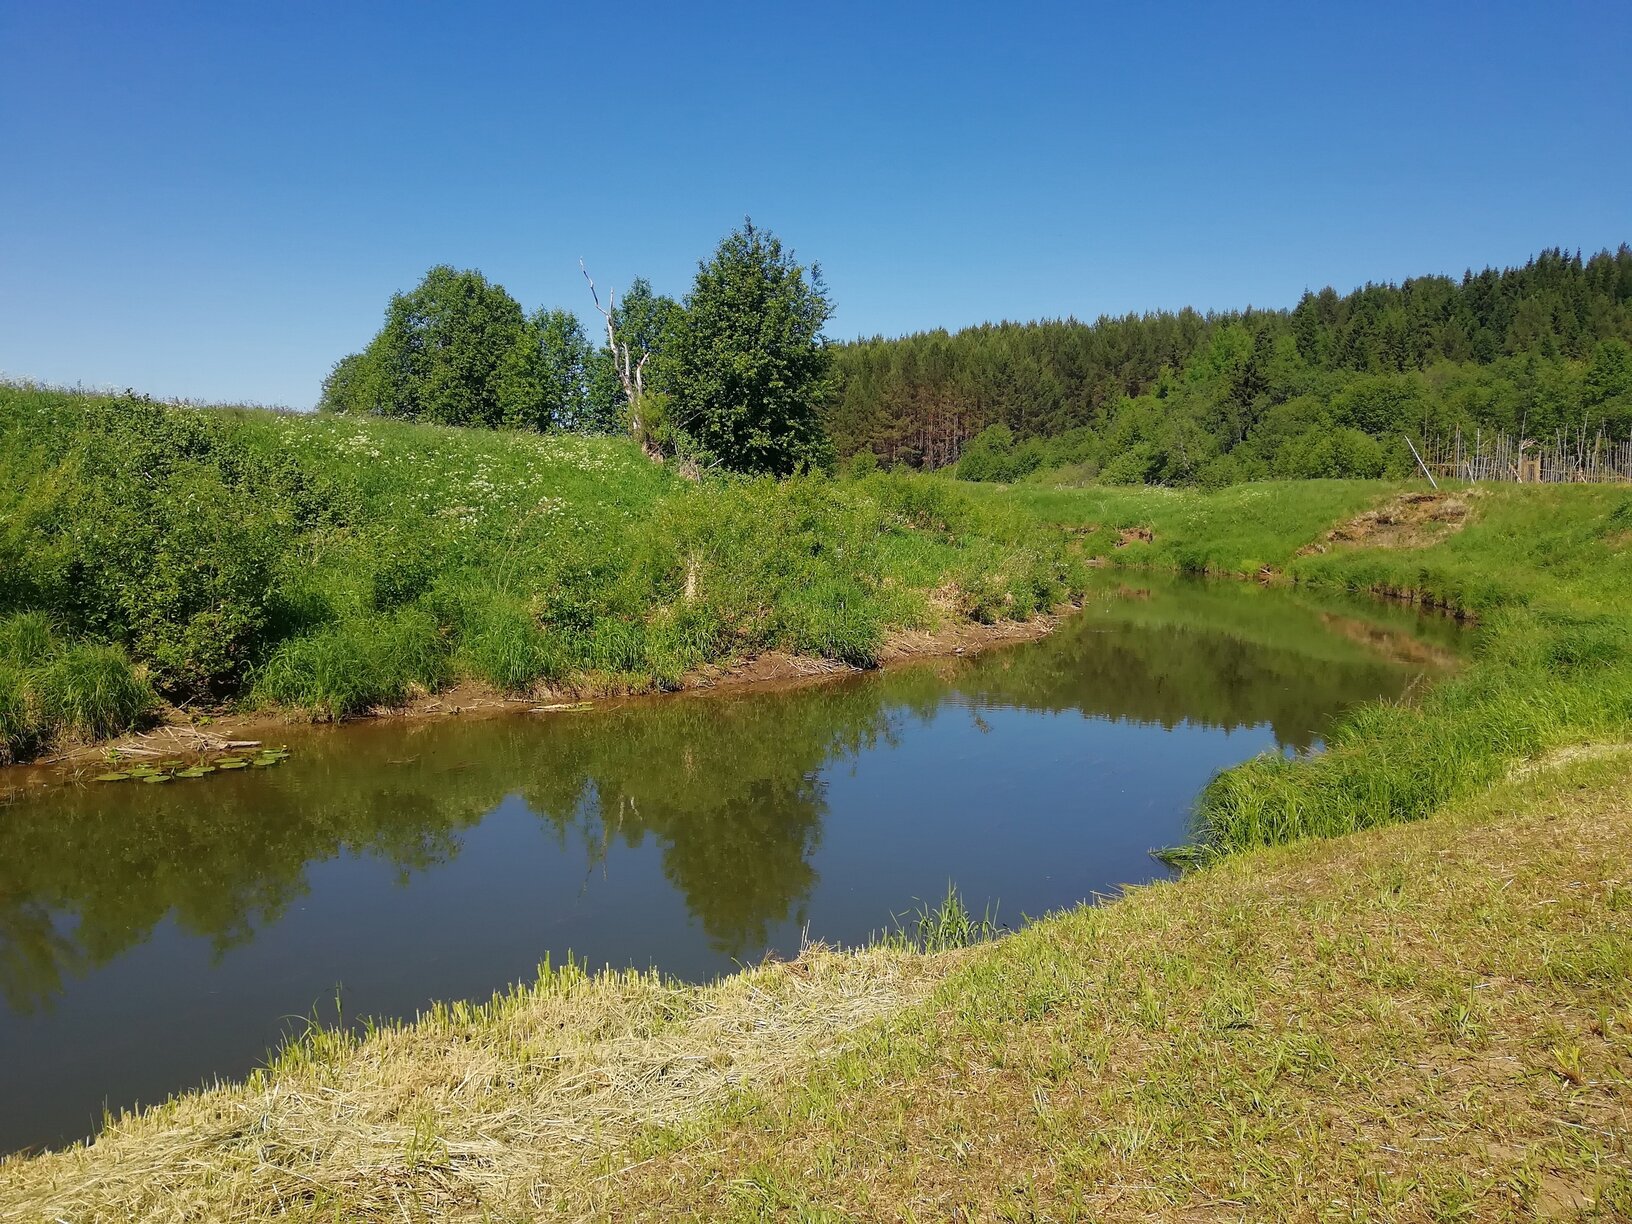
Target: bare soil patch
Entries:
(1410, 520)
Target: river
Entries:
(153, 938)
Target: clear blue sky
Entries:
(215, 200)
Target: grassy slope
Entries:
(1430, 1021)
(1548, 573)
(334, 564)
(1427, 1022)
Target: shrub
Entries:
(156, 532)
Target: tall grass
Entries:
(942, 926)
(1546, 571)
(337, 564)
(48, 687)
(346, 668)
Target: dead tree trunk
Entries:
(631, 374)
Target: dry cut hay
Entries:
(502, 1110)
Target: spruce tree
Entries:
(748, 368)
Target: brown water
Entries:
(153, 938)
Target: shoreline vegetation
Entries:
(179, 733)
(1391, 982)
(1424, 1021)
(334, 564)
(1099, 1061)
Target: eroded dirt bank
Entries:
(183, 734)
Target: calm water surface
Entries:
(155, 937)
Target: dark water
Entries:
(154, 937)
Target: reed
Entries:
(942, 926)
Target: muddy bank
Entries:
(190, 734)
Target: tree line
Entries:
(733, 376)
(738, 375)
(1324, 389)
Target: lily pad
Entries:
(231, 763)
(112, 777)
(157, 777)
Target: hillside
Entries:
(154, 555)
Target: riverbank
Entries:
(180, 739)
(1547, 574)
(1546, 571)
(156, 560)
(1405, 1023)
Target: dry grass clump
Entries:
(1409, 520)
(506, 1110)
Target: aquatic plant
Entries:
(942, 926)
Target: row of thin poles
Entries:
(1562, 459)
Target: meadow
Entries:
(238, 558)
(1299, 1028)
(332, 564)
(1544, 572)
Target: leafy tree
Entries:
(643, 323)
(646, 322)
(353, 385)
(747, 367)
(455, 351)
(458, 350)
(564, 372)
(1608, 385)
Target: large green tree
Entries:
(458, 350)
(747, 368)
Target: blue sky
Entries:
(215, 200)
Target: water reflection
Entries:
(728, 795)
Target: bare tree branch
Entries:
(630, 374)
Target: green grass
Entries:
(1423, 1023)
(944, 926)
(1426, 1022)
(1545, 571)
(48, 686)
(335, 564)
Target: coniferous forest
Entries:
(1327, 388)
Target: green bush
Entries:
(152, 529)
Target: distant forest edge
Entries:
(1328, 388)
(737, 375)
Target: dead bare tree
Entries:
(631, 373)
